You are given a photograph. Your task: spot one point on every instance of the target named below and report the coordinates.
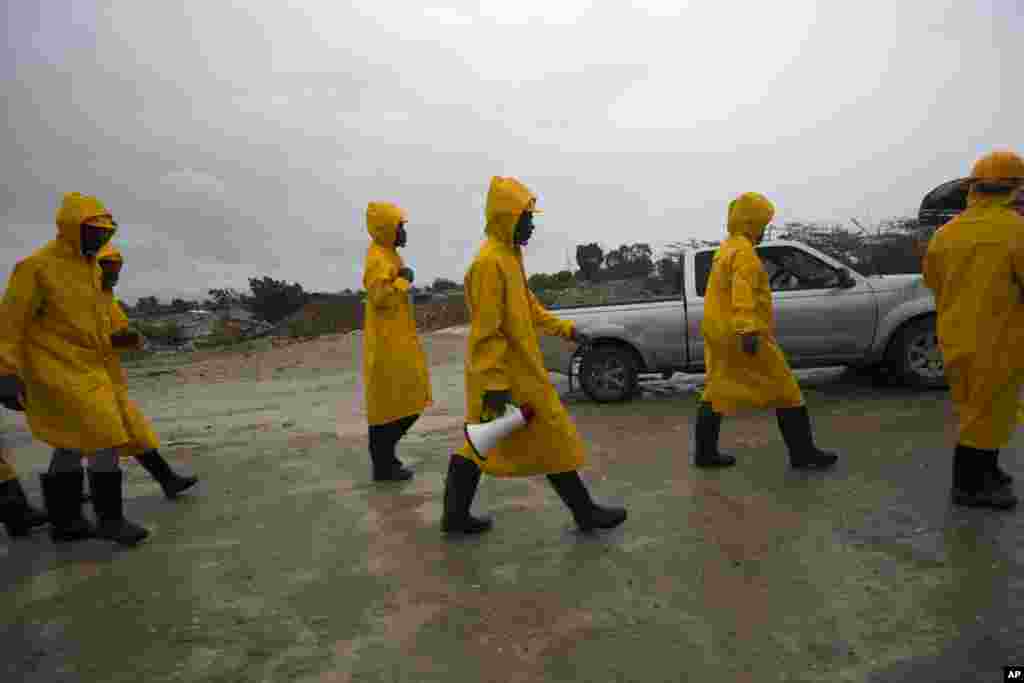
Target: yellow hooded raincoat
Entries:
(54, 337)
(975, 266)
(503, 352)
(739, 301)
(397, 383)
(140, 431)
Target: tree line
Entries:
(890, 246)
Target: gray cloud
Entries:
(233, 143)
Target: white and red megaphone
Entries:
(484, 436)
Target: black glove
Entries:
(406, 272)
(750, 342)
(129, 339)
(13, 404)
(11, 387)
(495, 401)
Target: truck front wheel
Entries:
(608, 374)
(915, 355)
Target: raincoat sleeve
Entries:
(22, 298)
(1017, 260)
(547, 322)
(384, 288)
(746, 268)
(488, 344)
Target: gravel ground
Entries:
(287, 564)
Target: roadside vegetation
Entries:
(635, 271)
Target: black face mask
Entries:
(524, 228)
(110, 278)
(93, 239)
(401, 236)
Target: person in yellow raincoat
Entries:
(144, 445)
(975, 267)
(53, 346)
(395, 376)
(16, 514)
(745, 366)
(504, 366)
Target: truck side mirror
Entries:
(846, 281)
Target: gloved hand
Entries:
(406, 272)
(12, 389)
(750, 343)
(495, 401)
(126, 339)
(13, 404)
(581, 337)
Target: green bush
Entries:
(166, 332)
(329, 318)
(214, 340)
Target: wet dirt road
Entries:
(287, 564)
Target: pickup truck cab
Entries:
(825, 313)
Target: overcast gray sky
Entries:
(237, 139)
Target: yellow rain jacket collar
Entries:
(984, 200)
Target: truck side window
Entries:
(792, 269)
(702, 270)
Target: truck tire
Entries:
(608, 374)
(915, 356)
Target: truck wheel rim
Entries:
(608, 376)
(924, 357)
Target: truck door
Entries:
(814, 318)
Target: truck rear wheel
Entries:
(608, 374)
(915, 355)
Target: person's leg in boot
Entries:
(402, 428)
(16, 514)
(106, 480)
(383, 440)
(459, 490)
(63, 487)
(170, 481)
(795, 425)
(706, 432)
(973, 482)
(1001, 476)
(588, 514)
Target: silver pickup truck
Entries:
(825, 313)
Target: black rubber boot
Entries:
(706, 431)
(108, 502)
(392, 472)
(62, 494)
(383, 442)
(795, 425)
(459, 490)
(17, 515)
(170, 481)
(1002, 477)
(974, 483)
(588, 514)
